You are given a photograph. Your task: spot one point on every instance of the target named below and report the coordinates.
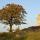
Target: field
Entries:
(20, 35)
(33, 36)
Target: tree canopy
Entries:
(12, 14)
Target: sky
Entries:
(32, 7)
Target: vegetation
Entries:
(21, 35)
(12, 36)
(9, 15)
(12, 14)
(34, 35)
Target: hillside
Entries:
(33, 28)
(31, 33)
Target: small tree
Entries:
(12, 14)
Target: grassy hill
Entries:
(33, 36)
(31, 33)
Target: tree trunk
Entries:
(10, 22)
(10, 28)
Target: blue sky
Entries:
(32, 7)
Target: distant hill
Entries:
(32, 28)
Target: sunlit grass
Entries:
(32, 35)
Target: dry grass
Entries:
(33, 36)
(20, 35)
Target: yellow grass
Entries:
(33, 36)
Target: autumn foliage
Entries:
(12, 14)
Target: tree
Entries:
(12, 14)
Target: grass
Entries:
(12, 36)
(32, 35)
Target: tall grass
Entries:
(20, 35)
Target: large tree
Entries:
(12, 14)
